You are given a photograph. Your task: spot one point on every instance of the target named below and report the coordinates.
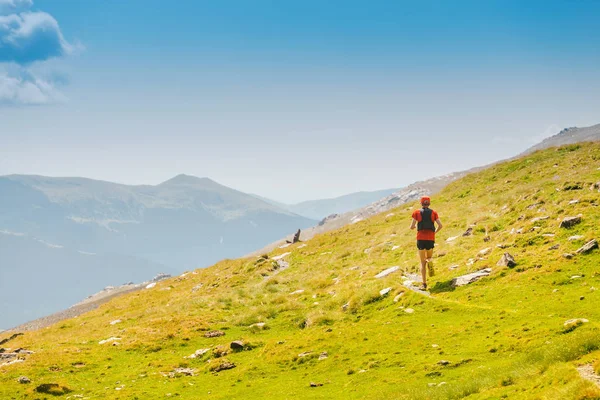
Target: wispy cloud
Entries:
(14, 6)
(28, 90)
(28, 38)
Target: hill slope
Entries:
(327, 323)
(569, 136)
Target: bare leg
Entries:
(423, 257)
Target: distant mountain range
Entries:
(67, 237)
(319, 209)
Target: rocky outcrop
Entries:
(570, 221)
(589, 246)
(507, 261)
(470, 278)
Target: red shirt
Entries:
(425, 234)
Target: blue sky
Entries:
(292, 100)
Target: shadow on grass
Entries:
(441, 287)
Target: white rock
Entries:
(452, 238)
(285, 245)
(395, 248)
(398, 296)
(298, 291)
(116, 321)
(386, 272)
(576, 237)
(109, 340)
(409, 310)
(198, 353)
(303, 245)
(470, 278)
(575, 322)
(384, 292)
(484, 251)
(574, 202)
(279, 257)
(453, 267)
(151, 285)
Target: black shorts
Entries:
(425, 244)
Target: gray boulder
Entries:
(470, 278)
(589, 246)
(507, 261)
(570, 221)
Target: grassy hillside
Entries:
(326, 323)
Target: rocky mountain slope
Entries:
(94, 233)
(337, 317)
(569, 136)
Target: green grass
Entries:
(503, 335)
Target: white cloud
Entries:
(14, 6)
(31, 36)
(29, 90)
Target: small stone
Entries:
(452, 238)
(574, 202)
(570, 221)
(435, 346)
(568, 256)
(470, 278)
(198, 353)
(385, 292)
(507, 260)
(237, 345)
(409, 310)
(582, 298)
(398, 296)
(323, 356)
(484, 251)
(116, 321)
(297, 291)
(313, 384)
(306, 353)
(345, 306)
(386, 272)
(574, 323)
(589, 246)
(576, 237)
(111, 339)
(23, 380)
(442, 384)
(443, 362)
(555, 247)
(214, 334)
(151, 285)
(555, 291)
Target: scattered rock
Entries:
(536, 219)
(574, 323)
(161, 276)
(395, 248)
(409, 310)
(151, 285)
(181, 371)
(279, 257)
(568, 256)
(214, 334)
(24, 380)
(484, 251)
(313, 384)
(573, 186)
(574, 202)
(468, 232)
(570, 221)
(236, 345)
(555, 247)
(589, 246)
(576, 237)
(222, 366)
(197, 287)
(507, 260)
(470, 278)
(323, 356)
(109, 340)
(345, 306)
(587, 372)
(306, 353)
(502, 246)
(385, 292)
(443, 362)
(452, 238)
(386, 272)
(116, 321)
(198, 353)
(297, 291)
(453, 267)
(398, 296)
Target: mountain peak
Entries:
(183, 179)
